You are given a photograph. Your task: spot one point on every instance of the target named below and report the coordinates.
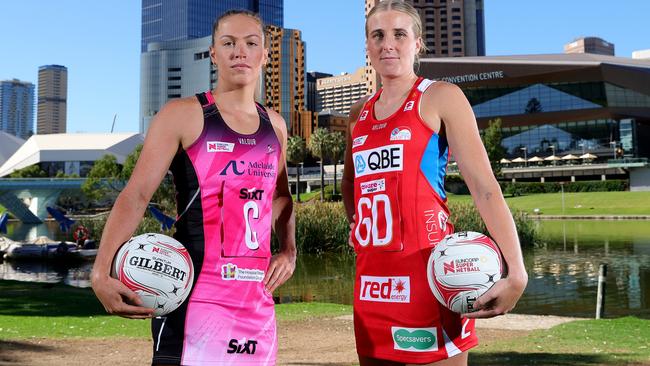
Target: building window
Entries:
(455, 10)
(170, 87)
(455, 26)
(455, 17)
(173, 69)
(457, 34)
(173, 78)
(172, 96)
(458, 49)
(457, 41)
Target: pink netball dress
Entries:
(229, 317)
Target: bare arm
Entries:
(284, 263)
(160, 145)
(465, 143)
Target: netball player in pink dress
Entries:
(227, 156)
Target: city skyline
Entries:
(100, 45)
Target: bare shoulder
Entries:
(444, 101)
(278, 122)
(182, 108)
(179, 121)
(442, 92)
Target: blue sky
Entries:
(99, 42)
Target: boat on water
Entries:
(44, 248)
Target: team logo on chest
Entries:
(219, 146)
(400, 134)
(359, 141)
(383, 159)
(409, 105)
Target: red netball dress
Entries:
(401, 213)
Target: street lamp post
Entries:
(525, 155)
(298, 172)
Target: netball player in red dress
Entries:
(399, 143)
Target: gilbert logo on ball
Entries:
(461, 268)
(156, 267)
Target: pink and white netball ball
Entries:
(462, 267)
(156, 267)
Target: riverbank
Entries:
(591, 217)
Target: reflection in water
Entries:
(77, 276)
(324, 279)
(565, 282)
(18, 231)
(634, 286)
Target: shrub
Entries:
(465, 217)
(519, 188)
(322, 227)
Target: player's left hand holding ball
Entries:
(500, 298)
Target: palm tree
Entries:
(296, 152)
(337, 149)
(318, 146)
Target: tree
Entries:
(337, 149)
(103, 178)
(32, 171)
(534, 106)
(129, 162)
(492, 142)
(318, 146)
(296, 151)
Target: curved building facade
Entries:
(557, 104)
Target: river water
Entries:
(563, 270)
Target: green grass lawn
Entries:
(620, 341)
(304, 197)
(579, 203)
(48, 310)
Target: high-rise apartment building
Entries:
(593, 45)
(338, 93)
(167, 20)
(17, 108)
(52, 99)
(311, 81)
(284, 79)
